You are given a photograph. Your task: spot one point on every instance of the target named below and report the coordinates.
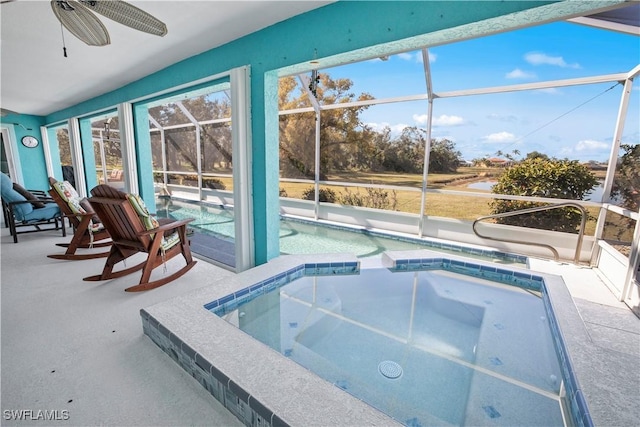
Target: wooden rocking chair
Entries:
(134, 230)
(89, 232)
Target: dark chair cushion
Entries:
(37, 204)
(86, 205)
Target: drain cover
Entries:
(390, 369)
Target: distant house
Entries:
(498, 162)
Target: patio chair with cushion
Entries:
(89, 232)
(133, 230)
(28, 211)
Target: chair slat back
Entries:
(119, 217)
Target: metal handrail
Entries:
(576, 258)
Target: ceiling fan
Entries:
(78, 18)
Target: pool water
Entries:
(215, 220)
(427, 347)
(304, 237)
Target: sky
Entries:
(576, 122)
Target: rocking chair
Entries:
(89, 232)
(133, 230)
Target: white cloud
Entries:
(519, 74)
(500, 137)
(443, 120)
(420, 118)
(591, 145)
(406, 56)
(538, 58)
(395, 129)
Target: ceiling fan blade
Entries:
(5, 112)
(81, 22)
(127, 14)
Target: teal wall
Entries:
(336, 29)
(143, 153)
(32, 161)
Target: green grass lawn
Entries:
(461, 207)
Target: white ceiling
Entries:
(35, 77)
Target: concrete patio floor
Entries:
(78, 348)
(75, 346)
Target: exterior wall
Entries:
(32, 160)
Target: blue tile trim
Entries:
(164, 331)
(260, 409)
(276, 421)
(238, 401)
(219, 375)
(230, 302)
(239, 391)
(497, 274)
(188, 351)
(175, 340)
(579, 409)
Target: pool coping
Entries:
(262, 387)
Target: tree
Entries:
(215, 139)
(64, 146)
(406, 152)
(345, 142)
(537, 155)
(443, 157)
(550, 178)
(626, 183)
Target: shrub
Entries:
(626, 184)
(324, 195)
(213, 183)
(376, 198)
(551, 178)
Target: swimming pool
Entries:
(298, 236)
(263, 387)
(425, 347)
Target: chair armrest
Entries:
(40, 194)
(168, 226)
